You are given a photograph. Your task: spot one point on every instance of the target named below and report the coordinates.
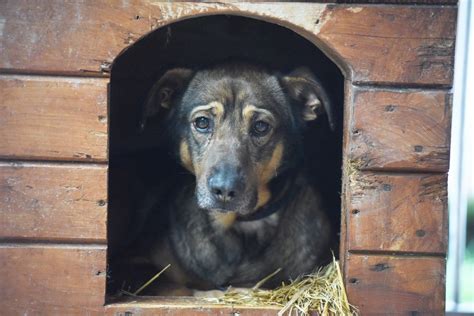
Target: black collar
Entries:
(286, 195)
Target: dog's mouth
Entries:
(222, 210)
(235, 207)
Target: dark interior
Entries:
(137, 163)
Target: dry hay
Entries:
(321, 292)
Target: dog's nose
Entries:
(225, 185)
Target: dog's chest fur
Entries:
(254, 236)
(258, 226)
(259, 232)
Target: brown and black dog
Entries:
(248, 208)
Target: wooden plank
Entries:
(401, 130)
(53, 202)
(387, 285)
(53, 118)
(401, 2)
(394, 45)
(71, 38)
(405, 213)
(52, 280)
(185, 306)
(372, 43)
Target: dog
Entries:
(245, 208)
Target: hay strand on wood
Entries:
(144, 286)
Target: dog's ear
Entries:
(164, 92)
(306, 89)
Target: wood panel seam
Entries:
(408, 254)
(376, 86)
(49, 77)
(43, 244)
(18, 163)
(52, 241)
(56, 74)
(400, 172)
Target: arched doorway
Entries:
(140, 165)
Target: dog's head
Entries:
(236, 126)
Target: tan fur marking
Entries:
(215, 107)
(185, 156)
(264, 196)
(268, 171)
(248, 111)
(225, 220)
(218, 109)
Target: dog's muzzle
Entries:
(226, 184)
(225, 190)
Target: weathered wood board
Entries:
(400, 130)
(397, 213)
(53, 118)
(394, 45)
(52, 279)
(372, 44)
(388, 285)
(186, 306)
(53, 202)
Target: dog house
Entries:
(56, 84)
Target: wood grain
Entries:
(404, 213)
(53, 118)
(186, 306)
(52, 280)
(372, 43)
(400, 130)
(387, 285)
(394, 45)
(402, 2)
(53, 202)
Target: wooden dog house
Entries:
(397, 62)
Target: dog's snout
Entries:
(225, 184)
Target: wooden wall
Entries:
(55, 58)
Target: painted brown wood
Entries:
(394, 44)
(53, 118)
(372, 43)
(400, 130)
(53, 202)
(401, 212)
(388, 285)
(185, 306)
(52, 280)
(403, 2)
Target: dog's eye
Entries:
(261, 128)
(202, 124)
